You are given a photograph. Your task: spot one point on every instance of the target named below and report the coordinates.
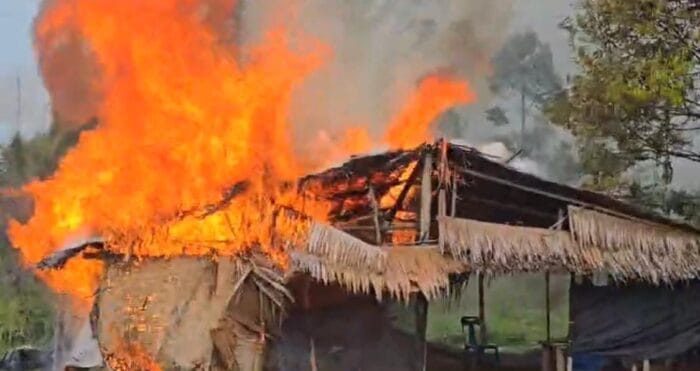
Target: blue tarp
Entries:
(588, 362)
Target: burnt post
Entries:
(421, 312)
(482, 312)
(421, 305)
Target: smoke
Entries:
(381, 48)
(70, 71)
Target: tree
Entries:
(635, 98)
(524, 65)
(524, 69)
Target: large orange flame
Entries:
(410, 127)
(181, 121)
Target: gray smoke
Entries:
(381, 49)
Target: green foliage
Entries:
(683, 204)
(635, 96)
(37, 157)
(515, 312)
(26, 316)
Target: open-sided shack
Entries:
(405, 225)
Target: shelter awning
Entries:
(626, 249)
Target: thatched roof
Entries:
(627, 250)
(398, 271)
(488, 190)
(502, 218)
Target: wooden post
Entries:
(426, 196)
(560, 359)
(547, 346)
(546, 357)
(442, 206)
(453, 196)
(375, 210)
(482, 313)
(421, 312)
(548, 307)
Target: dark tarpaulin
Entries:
(636, 321)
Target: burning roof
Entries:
(376, 200)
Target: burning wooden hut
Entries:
(404, 225)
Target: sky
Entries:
(17, 63)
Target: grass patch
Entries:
(515, 312)
(26, 315)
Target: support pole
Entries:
(548, 307)
(560, 359)
(426, 196)
(453, 196)
(547, 347)
(442, 206)
(482, 313)
(421, 312)
(375, 211)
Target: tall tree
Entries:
(635, 98)
(523, 66)
(524, 79)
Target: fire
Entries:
(131, 356)
(435, 94)
(181, 122)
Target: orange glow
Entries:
(403, 237)
(131, 356)
(435, 94)
(392, 196)
(356, 140)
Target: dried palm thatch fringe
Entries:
(504, 248)
(637, 249)
(591, 228)
(340, 248)
(407, 270)
(597, 242)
